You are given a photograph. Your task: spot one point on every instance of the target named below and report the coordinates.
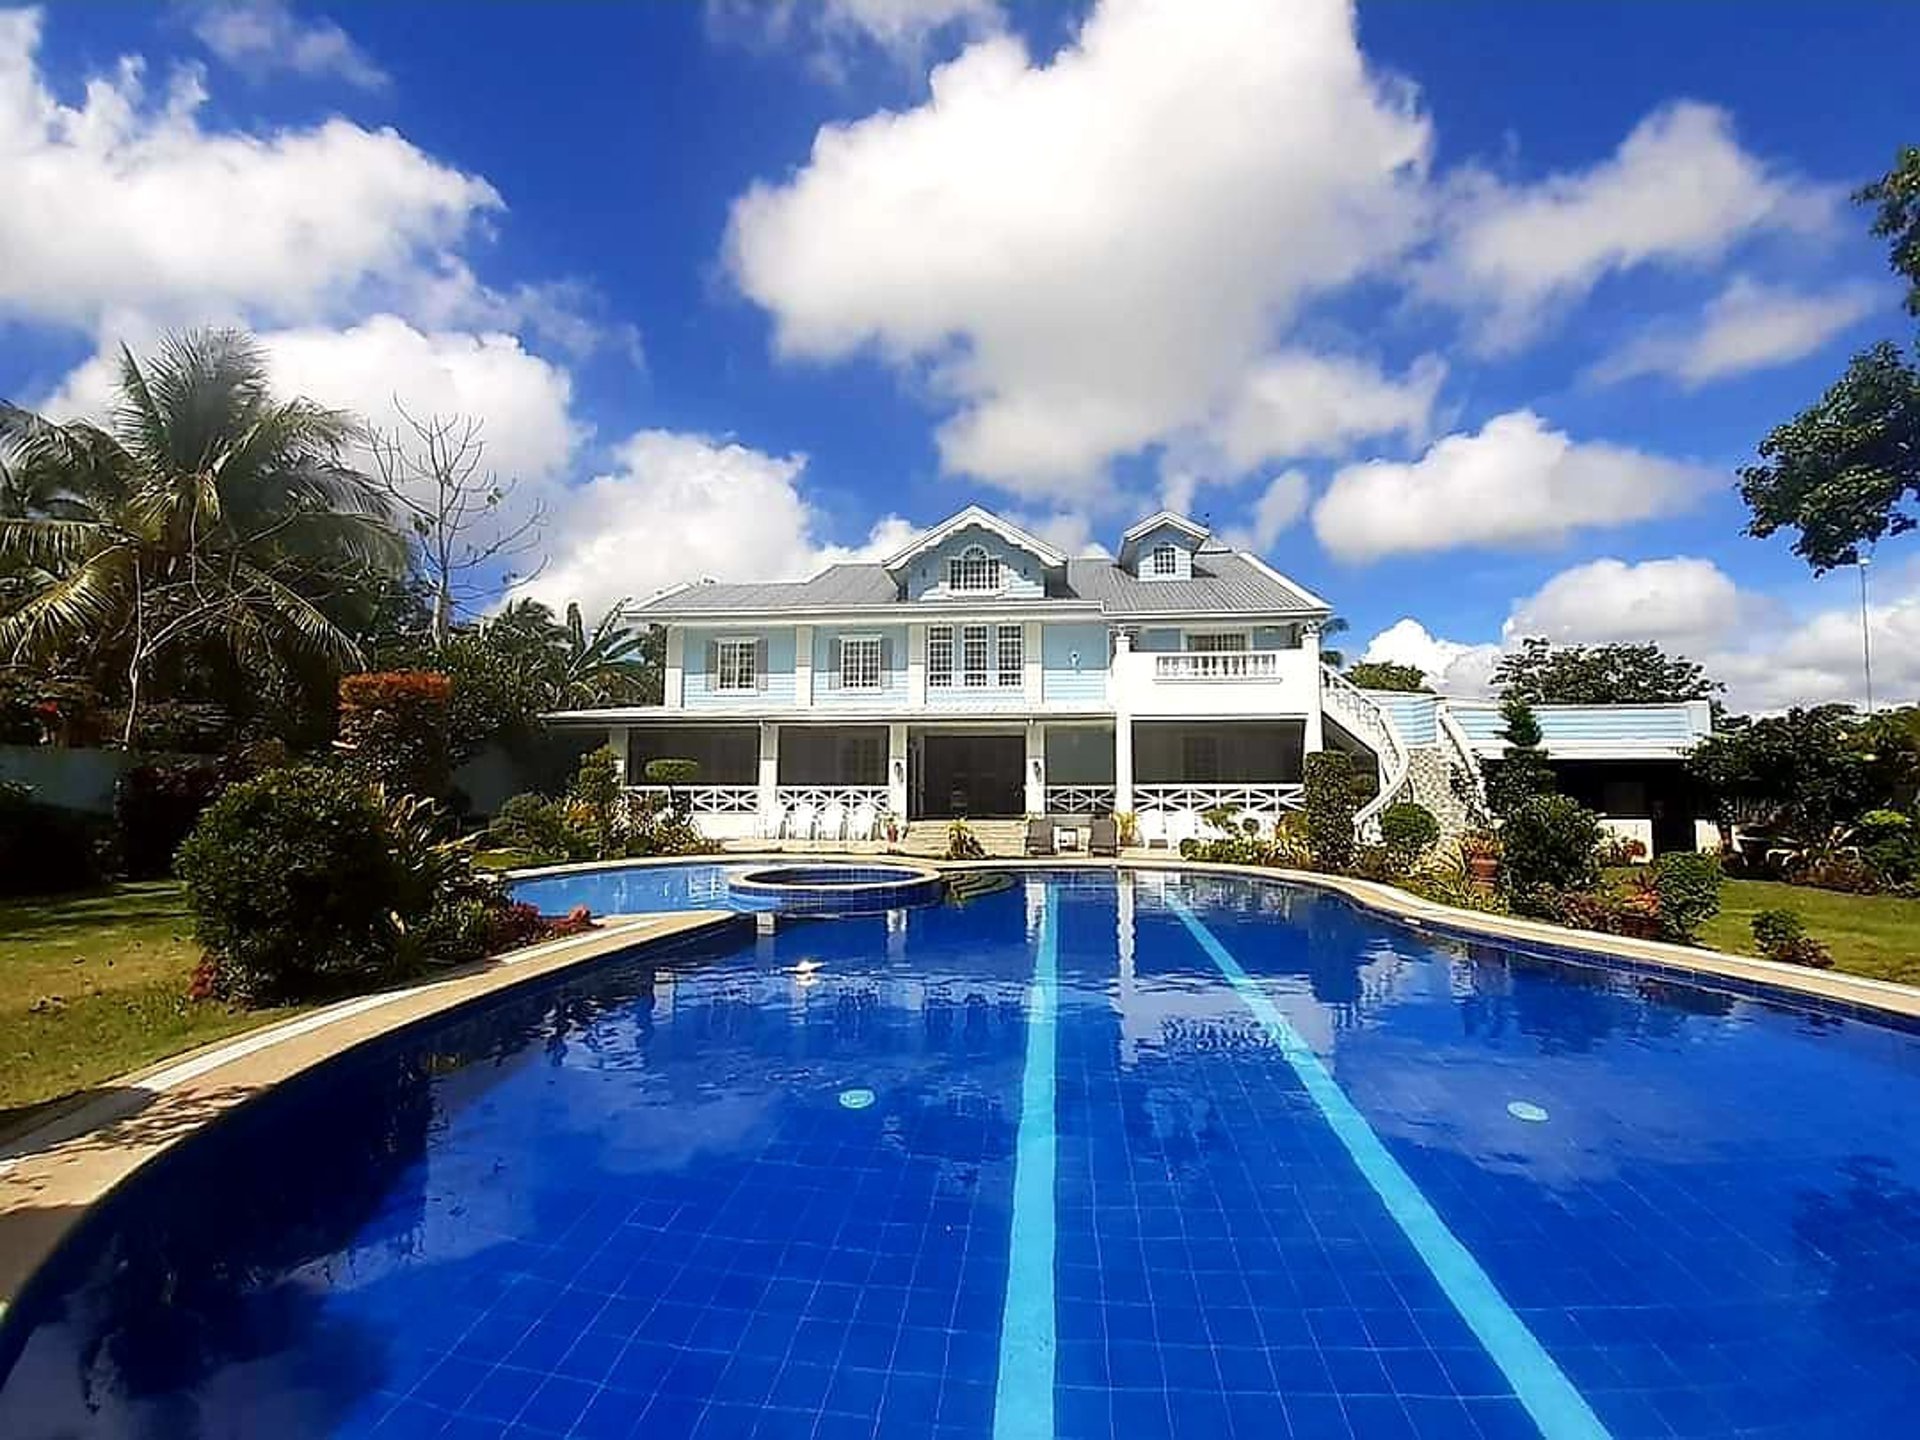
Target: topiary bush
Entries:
(293, 885)
(1548, 844)
(43, 850)
(1332, 800)
(1408, 831)
(1781, 935)
(394, 728)
(1688, 884)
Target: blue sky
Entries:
(1463, 314)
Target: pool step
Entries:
(996, 837)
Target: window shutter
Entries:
(886, 659)
(760, 663)
(713, 664)
(835, 671)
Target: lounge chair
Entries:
(1103, 837)
(865, 819)
(1040, 837)
(800, 822)
(833, 821)
(778, 825)
(1153, 830)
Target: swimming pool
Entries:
(1096, 1156)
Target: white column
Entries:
(1122, 723)
(1316, 732)
(897, 771)
(769, 777)
(617, 742)
(916, 667)
(803, 665)
(1036, 768)
(673, 688)
(1033, 676)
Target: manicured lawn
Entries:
(1876, 935)
(95, 984)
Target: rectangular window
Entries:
(860, 662)
(939, 656)
(973, 656)
(973, 569)
(733, 667)
(1166, 561)
(1214, 641)
(1011, 655)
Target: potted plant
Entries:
(1480, 851)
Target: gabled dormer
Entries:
(977, 556)
(1161, 547)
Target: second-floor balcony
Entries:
(1217, 665)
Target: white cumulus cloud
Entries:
(260, 38)
(1295, 403)
(1682, 602)
(1282, 501)
(126, 202)
(1680, 190)
(1086, 256)
(1516, 481)
(678, 507)
(1747, 326)
(1451, 667)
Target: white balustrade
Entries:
(1217, 665)
(1079, 799)
(705, 799)
(1199, 798)
(820, 796)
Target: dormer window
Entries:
(1164, 563)
(973, 571)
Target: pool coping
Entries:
(54, 1175)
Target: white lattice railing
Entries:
(821, 796)
(1079, 799)
(829, 812)
(1250, 799)
(1217, 665)
(706, 799)
(1347, 703)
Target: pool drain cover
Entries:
(856, 1099)
(1526, 1110)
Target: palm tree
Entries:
(205, 524)
(607, 665)
(1333, 625)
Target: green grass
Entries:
(1873, 935)
(95, 984)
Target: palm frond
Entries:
(312, 631)
(73, 609)
(35, 540)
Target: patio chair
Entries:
(833, 821)
(1103, 837)
(778, 825)
(800, 821)
(1153, 829)
(864, 821)
(1040, 836)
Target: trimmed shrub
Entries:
(1408, 831)
(1522, 771)
(1688, 884)
(394, 728)
(1781, 935)
(294, 885)
(1333, 797)
(43, 850)
(1548, 845)
(541, 829)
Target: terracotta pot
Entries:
(1483, 870)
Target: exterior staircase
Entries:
(999, 838)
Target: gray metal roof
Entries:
(1224, 582)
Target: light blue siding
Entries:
(1592, 724)
(775, 691)
(1074, 663)
(1153, 540)
(1024, 576)
(893, 668)
(1157, 640)
(1416, 717)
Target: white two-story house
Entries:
(981, 672)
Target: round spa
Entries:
(802, 889)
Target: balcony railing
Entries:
(1217, 665)
(706, 799)
(1079, 799)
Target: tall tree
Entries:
(1845, 473)
(460, 513)
(206, 525)
(1522, 771)
(1542, 674)
(1799, 775)
(1385, 675)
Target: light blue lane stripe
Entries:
(1023, 1398)
(1560, 1411)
